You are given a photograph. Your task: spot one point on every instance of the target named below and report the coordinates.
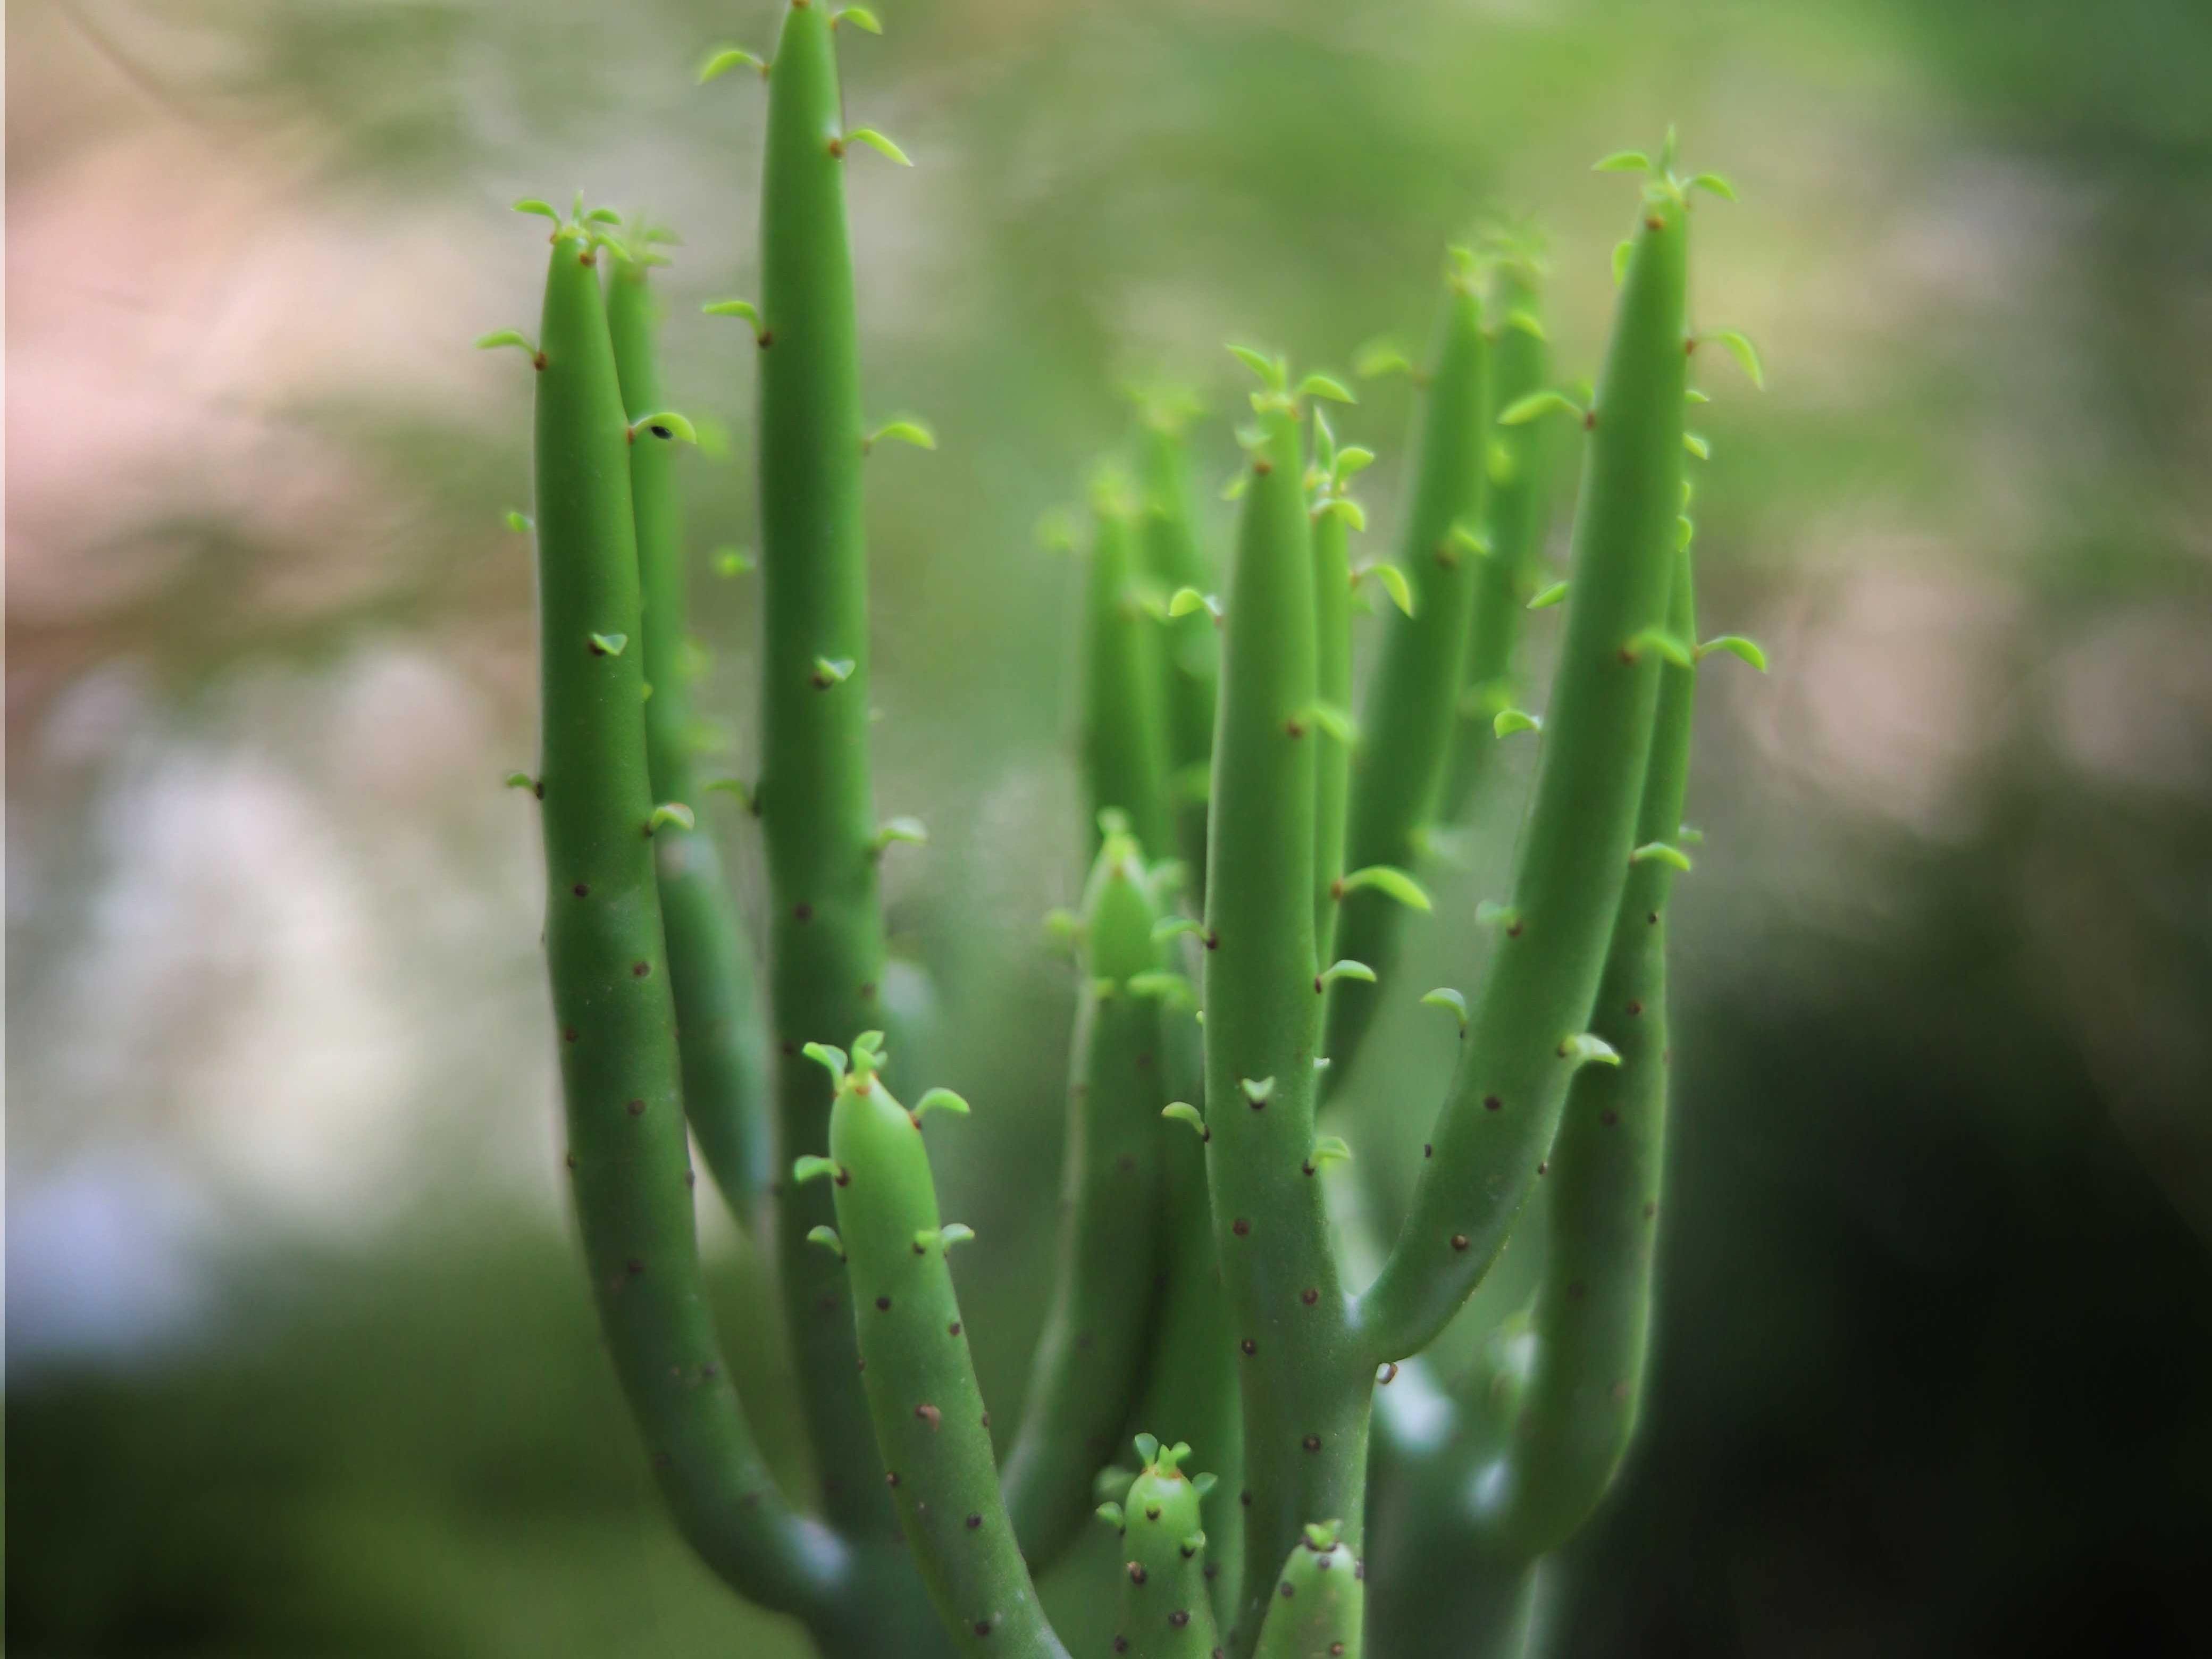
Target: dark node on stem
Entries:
(1178, 1619)
(891, 1479)
(1589, 419)
(1245, 1498)
(837, 147)
(802, 911)
(1544, 1167)
(1492, 1103)
(1296, 728)
(868, 991)
(1389, 1375)
(640, 969)
(953, 1329)
(1248, 1345)
(982, 1627)
(986, 1419)
(1459, 1241)
(974, 1522)
(635, 1266)
(1309, 1296)
(660, 431)
(1288, 1589)
(1212, 939)
(582, 890)
(569, 1158)
(1151, 1512)
(1428, 1149)
(538, 789)
(929, 1414)
(1655, 222)
(1240, 1226)
(1653, 918)
(883, 1304)
(568, 1034)
(537, 362)
(1136, 1572)
(1634, 1009)
(843, 1177)
(919, 1247)
(691, 1180)
(1263, 467)
(1120, 1644)
(636, 1108)
(787, 1048)
(765, 339)
(1513, 928)
(1311, 1442)
(1609, 1118)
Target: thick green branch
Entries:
(1125, 744)
(1503, 1108)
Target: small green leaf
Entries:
(1622, 252)
(1148, 1449)
(1548, 597)
(1185, 600)
(1510, 720)
(1696, 446)
(1176, 928)
(520, 781)
(1344, 969)
(1167, 987)
(666, 425)
(1329, 1148)
(940, 1100)
(1389, 881)
(954, 1232)
(520, 522)
(828, 1239)
(1063, 927)
(733, 561)
(721, 63)
(1693, 395)
(905, 432)
(544, 210)
(1333, 721)
(910, 832)
(1111, 1515)
(1714, 183)
(1394, 583)
(1625, 161)
(1323, 386)
(1690, 837)
(832, 671)
(609, 645)
(876, 141)
(1345, 509)
(1181, 1111)
(736, 787)
(1257, 1090)
(1491, 914)
(1452, 1002)
(744, 308)
(506, 337)
(861, 18)
(1659, 851)
(1239, 481)
(1587, 1049)
(1351, 460)
(1380, 358)
(1467, 539)
(1735, 645)
(603, 216)
(812, 1167)
(1746, 354)
(1522, 410)
(1528, 322)
(1658, 639)
(672, 811)
(1685, 531)
(1273, 372)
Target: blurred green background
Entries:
(298, 1360)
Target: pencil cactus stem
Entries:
(1333, 579)
(1165, 1612)
(1086, 1373)
(814, 796)
(1318, 1599)
(1593, 1311)
(1409, 715)
(1171, 558)
(710, 964)
(1518, 515)
(920, 1380)
(1503, 1106)
(1125, 735)
(1304, 1387)
(621, 1076)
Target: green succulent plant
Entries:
(1257, 849)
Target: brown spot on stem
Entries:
(930, 1415)
(1241, 1227)
(883, 1304)
(582, 890)
(1136, 1572)
(1248, 1345)
(636, 1108)
(1311, 1442)
(1492, 1103)
(1309, 1296)
(802, 911)
(1459, 1241)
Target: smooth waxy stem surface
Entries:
(1517, 514)
(1089, 1361)
(1124, 738)
(1174, 559)
(1522, 1048)
(1594, 1308)
(1165, 1612)
(928, 1413)
(1407, 724)
(710, 963)
(826, 930)
(1303, 1383)
(1317, 1601)
(620, 1081)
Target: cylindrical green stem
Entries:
(1125, 752)
(1165, 1612)
(930, 1423)
(621, 1080)
(1517, 514)
(1594, 1308)
(1086, 1374)
(1174, 559)
(1521, 1053)
(1332, 556)
(710, 964)
(1315, 1610)
(1304, 1383)
(1406, 727)
(826, 931)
